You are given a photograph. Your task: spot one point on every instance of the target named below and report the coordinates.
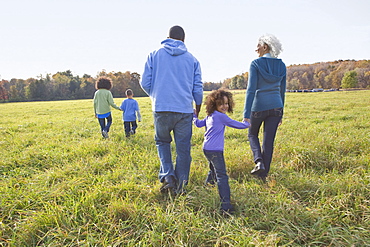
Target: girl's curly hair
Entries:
(216, 98)
(103, 82)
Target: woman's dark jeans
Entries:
(218, 171)
(105, 123)
(270, 119)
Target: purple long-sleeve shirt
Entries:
(215, 129)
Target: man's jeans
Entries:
(218, 169)
(181, 126)
(270, 120)
(105, 126)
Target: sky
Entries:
(41, 37)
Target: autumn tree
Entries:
(3, 92)
(87, 86)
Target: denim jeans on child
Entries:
(105, 123)
(130, 127)
(270, 119)
(181, 126)
(218, 161)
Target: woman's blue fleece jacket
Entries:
(172, 78)
(266, 85)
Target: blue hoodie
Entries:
(266, 85)
(172, 78)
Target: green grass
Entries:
(61, 184)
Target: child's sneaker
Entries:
(105, 134)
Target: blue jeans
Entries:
(105, 123)
(181, 126)
(218, 169)
(130, 126)
(270, 119)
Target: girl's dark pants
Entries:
(218, 171)
(105, 123)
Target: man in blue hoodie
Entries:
(172, 78)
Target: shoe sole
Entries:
(253, 172)
(167, 188)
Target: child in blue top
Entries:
(217, 104)
(130, 109)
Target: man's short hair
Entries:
(177, 32)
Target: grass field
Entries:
(61, 184)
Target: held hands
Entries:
(247, 122)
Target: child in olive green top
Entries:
(103, 100)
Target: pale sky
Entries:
(39, 37)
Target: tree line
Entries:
(337, 74)
(65, 85)
(326, 75)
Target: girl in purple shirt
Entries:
(217, 104)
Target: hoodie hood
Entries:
(271, 69)
(174, 47)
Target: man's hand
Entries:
(197, 110)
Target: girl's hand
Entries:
(247, 120)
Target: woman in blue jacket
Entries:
(264, 101)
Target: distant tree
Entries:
(17, 91)
(37, 90)
(233, 83)
(209, 86)
(293, 84)
(3, 92)
(240, 83)
(226, 83)
(61, 88)
(334, 78)
(363, 78)
(87, 86)
(367, 75)
(135, 85)
(349, 80)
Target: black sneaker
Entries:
(169, 185)
(260, 167)
(227, 212)
(105, 134)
